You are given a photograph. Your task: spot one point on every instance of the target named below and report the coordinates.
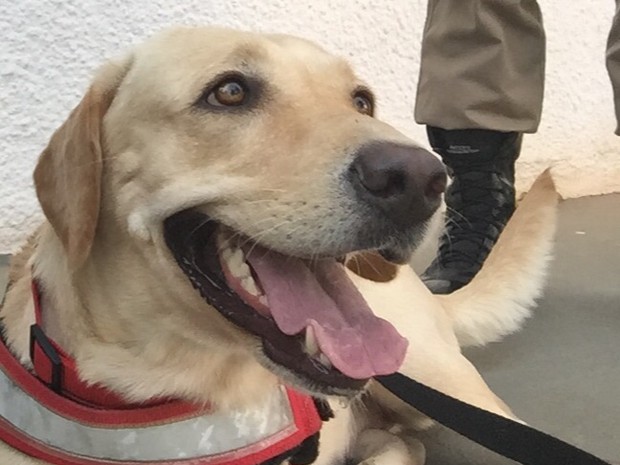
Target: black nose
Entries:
(405, 182)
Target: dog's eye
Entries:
(363, 102)
(229, 93)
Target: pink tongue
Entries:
(359, 344)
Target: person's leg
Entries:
(481, 86)
(613, 62)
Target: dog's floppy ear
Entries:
(68, 174)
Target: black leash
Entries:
(513, 440)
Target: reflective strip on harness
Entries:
(63, 420)
(207, 435)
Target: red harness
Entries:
(58, 394)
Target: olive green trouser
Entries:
(483, 65)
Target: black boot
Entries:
(480, 201)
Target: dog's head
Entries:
(251, 165)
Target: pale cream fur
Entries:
(115, 299)
(502, 294)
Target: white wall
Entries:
(48, 50)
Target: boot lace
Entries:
(481, 202)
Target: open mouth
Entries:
(310, 318)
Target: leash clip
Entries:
(38, 338)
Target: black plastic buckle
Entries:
(37, 336)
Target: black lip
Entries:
(397, 255)
(191, 239)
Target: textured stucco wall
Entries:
(49, 48)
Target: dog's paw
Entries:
(380, 447)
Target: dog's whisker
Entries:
(257, 237)
(459, 214)
(370, 264)
(289, 222)
(199, 227)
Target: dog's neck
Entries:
(142, 334)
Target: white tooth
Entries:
(241, 271)
(226, 253)
(236, 256)
(312, 347)
(324, 360)
(263, 300)
(249, 284)
(237, 265)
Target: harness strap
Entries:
(58, 370)
(51, 414)
(513, 440)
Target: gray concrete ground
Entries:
(561, 373)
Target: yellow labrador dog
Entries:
(187, 295)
